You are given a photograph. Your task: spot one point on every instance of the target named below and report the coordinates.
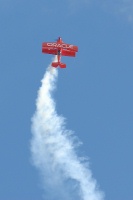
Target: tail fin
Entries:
(56, 64)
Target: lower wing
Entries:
(49, 51)
(65, 52)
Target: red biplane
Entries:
(59, 48)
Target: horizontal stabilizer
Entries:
(55, 64)
(62, 65)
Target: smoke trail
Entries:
(64, 174)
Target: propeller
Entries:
(57, 39)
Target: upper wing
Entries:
(48, 44)
(66, 52)
(74, 48)
(70, 47)
(49, 51)
(60, 46)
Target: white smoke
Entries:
(65, 176)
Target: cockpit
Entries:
(59, 52)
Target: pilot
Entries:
(59, 52)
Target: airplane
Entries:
(59, 48)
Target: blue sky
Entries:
(94, 93)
